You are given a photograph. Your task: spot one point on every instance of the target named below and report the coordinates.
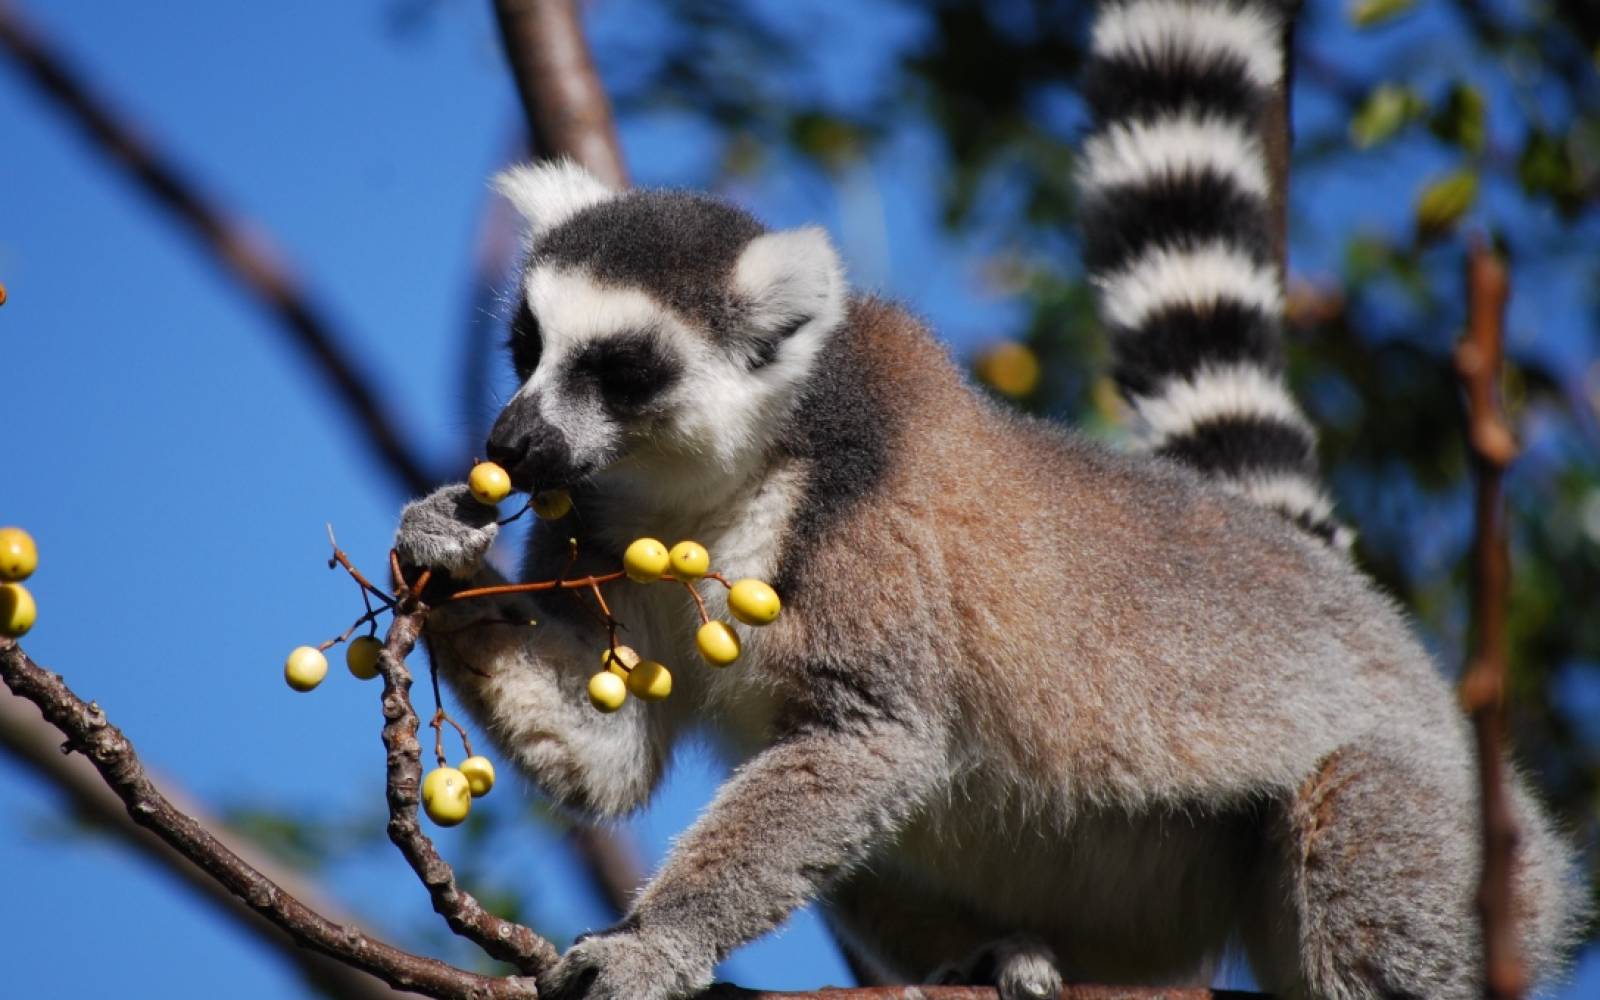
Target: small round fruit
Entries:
(19, 557)
(650, 681)
(17, 610)
(305, 668)
(754, 603)
(480, 775)
(361, 656)
(619, 663)
(718, 643)
(489, 483)
(446, 796)
(607, 691)
(552, 505)
(690, 560)
(645, 560)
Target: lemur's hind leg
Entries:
(906, 931)
(1020, 967)
(1368, 892)
(900, 927)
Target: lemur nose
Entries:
(505, 453)
(531, 450)
(506, 450)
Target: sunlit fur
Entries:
(1031, 706)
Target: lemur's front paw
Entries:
(626, 965)
(1020, 967)
(448, 530)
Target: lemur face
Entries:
(657, 326)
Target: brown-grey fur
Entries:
(1021, 686)
(1033, 709)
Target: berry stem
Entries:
(699, 602)
(575, 583)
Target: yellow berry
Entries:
(361, 656)
(489, 483)
(690, 560)
(480, 775)
(650, 680)
(624, 660)
(607, 691)
(17, 610)
(754, 603)
(718, 643)
(645, 560)
(446, 796)
(305, 668)
(552, 505)
(19, 557)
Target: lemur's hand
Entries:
(626, 965)
(446, 530)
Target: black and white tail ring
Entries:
(1176, 225)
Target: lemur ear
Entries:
(548, 194)
(791, 279)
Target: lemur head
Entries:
(653, 326)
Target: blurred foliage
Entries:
(1501, 101)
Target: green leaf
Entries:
(1546, 169)
(1444, 201)
(1366, 13)
(1384, 112)
(1462, 119)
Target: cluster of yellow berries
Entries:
(447, 792)
(647, 560)
(19, 557)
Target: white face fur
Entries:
(624, 380)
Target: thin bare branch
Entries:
(567, 110)
(242, 253)
(89, 732)
(724, 991)
(1479, 358)
(508, 941)
(1275, 127)
(36, 743)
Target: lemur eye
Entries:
(526, 341)
(628, 371)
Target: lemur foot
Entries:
(448, 530)
(1020, 967)
(625, 965)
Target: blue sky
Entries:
(177, 464)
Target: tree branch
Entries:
(503, 939)
(1479, 359)
(37, 744)
(240, 251)
(89, 732)
(566, 108)
(724, 991)
(1277, 141)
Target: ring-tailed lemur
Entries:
(1068, 711)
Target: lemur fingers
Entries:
(447, 530)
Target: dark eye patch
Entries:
(526, 341)
(628, 370)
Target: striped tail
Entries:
(1177, 238)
